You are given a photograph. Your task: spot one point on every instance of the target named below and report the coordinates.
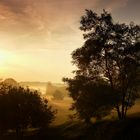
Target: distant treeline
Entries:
(53, 88)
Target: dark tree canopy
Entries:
(22, 108)
(111, 53)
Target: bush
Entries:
(57, 95)
(22, 108)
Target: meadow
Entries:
(65, 128)
(63, 106)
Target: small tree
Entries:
(58, 95)
(21, 108)
(111, 52)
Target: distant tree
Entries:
(58, 95)
(10, 82)
(49, 88)
(21, 108)
(111, 52)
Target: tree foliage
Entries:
(111, 53)
(58, 95)
(22, 108)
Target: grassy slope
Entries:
(128, 129)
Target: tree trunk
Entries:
(19, 133)
(119, 112)
(123, 110)
(88, 121)
(123, 101)
(126, 108)
(125, 113)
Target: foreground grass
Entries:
(128, 129)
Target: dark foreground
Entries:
(128, 129)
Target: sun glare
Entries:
(3, 57)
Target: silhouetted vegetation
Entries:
(22, 108)
(58, 95)
(108, 63)
(10, 82)
(52, 88)
(128, 129)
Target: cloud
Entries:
(116, 4)
(43, 13)
(15, 6)
(44, 21)
(130, 12)
(37, 15)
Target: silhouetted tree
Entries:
(21, 108)
(58, 95)
(10, 82)
(111, 52)
(92, 98)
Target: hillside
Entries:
(128, 129)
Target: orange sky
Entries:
(38, 36)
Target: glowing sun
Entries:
(3, 57)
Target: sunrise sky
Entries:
(38, 36)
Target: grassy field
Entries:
(63, 111)
(64, 129)
(128, 129)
